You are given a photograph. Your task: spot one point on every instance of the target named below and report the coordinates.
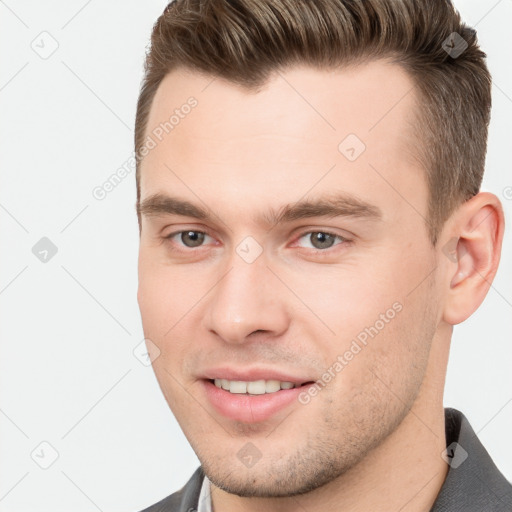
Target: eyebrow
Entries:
(340, 205)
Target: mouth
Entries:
(253, 401)
(256, 387)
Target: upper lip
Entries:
(253, 374)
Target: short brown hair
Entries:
(244, 41)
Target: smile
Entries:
(255, 387)
(252, 401)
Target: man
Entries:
(311, 229)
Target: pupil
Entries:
(321, 240)
(192, 238)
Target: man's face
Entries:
(269, 287)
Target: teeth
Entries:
(272, 385)
(238, 386)
(255, 387)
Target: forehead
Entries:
(283, 139)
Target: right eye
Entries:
(188, 238)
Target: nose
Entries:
(246, 301)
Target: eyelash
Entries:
(185, 249)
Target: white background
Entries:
(68, 375)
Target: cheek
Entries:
(165, 294)
(169, 301)
(397, 357)
(345, 301)
(380, 378)
(380, 329)
(154, 308)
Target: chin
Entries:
(270, 485)
(298, 473)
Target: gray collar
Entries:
(473, 482)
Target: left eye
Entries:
(189, 238)
(320, 240)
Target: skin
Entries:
(375, 433)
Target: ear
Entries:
(472, 247)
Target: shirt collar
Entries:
(204, 503)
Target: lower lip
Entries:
(250, 408)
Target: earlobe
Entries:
(474, 254)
